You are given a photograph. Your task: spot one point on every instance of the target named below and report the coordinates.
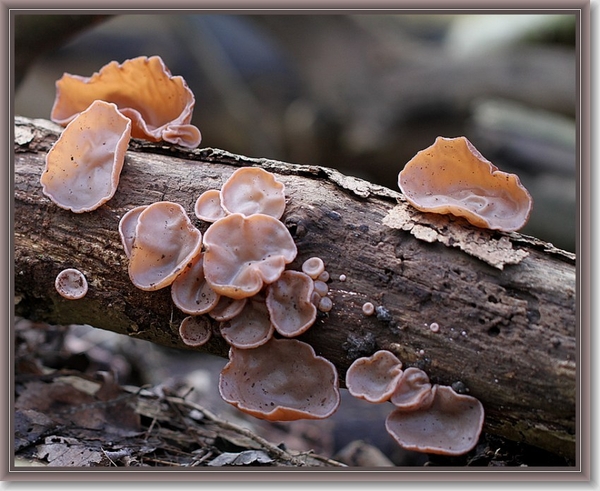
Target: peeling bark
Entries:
(505, 303)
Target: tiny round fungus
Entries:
(165, 241)
(374, 378)
(250, 328)
(282, 380)
(321, 288)
(244, 253)
(252, 190)
(127, 226)
(190, 291)
(451, 176)
(84, 165)
(434, 327)
(289, 303)
(368, 308)
(324, 277)
(70, 283)
(325, 304)
(227, 308)
(450, 426)
(412, 391)
(313, 267)
(208, 206)
(195, 330)
(159, 104)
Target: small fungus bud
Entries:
(313, 267)
(321, 287)
(71, 284)
(195, 330)
(325, 304)
(368, 308)
(434, 326)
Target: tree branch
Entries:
(505, 303)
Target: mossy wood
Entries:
(507, 328)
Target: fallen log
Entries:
(505, 303)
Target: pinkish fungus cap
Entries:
(159, 104)
(251, 327)
(451, 176)
(127, 226)
(195, 330)
(413, 390)
(252, 190)
(451, 425)
(71, 284)
(374, 378)
(244, 253)
(208, 206)
(289, 303)
(190, 292)
(83, 167)
(282, 380)
(165, 241)
(313, 267)
(227, 308)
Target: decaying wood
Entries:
(505, 303)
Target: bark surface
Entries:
(505, 303)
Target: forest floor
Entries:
(90, 398)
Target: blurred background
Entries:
(359, 93)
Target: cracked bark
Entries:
(507, 317)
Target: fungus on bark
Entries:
(127, 226)
(242, 254)
(71, 284)
(252, 190)
(451, 176)
(413, 390)
(282, 380)
(289, 302)
(83, 167)
(159, 104)
(251, 328)
(208, 206)
(165, 241)
(195, 331)
(190, 292)
(374, 378)
(450, 425)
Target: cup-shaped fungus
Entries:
(83, 167)
(252, 190)
(165, 241)
(374, 378)
(159, 104)
(313, 267)
(289, 303)
(413, 390)
(282, 380)
(451, 425)
(227, 308)
(195, 330)
(208, 206)
(190, 291)
(244, 253)
(251, 327)
(451, 176)
(127, 226)
(71, 284)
